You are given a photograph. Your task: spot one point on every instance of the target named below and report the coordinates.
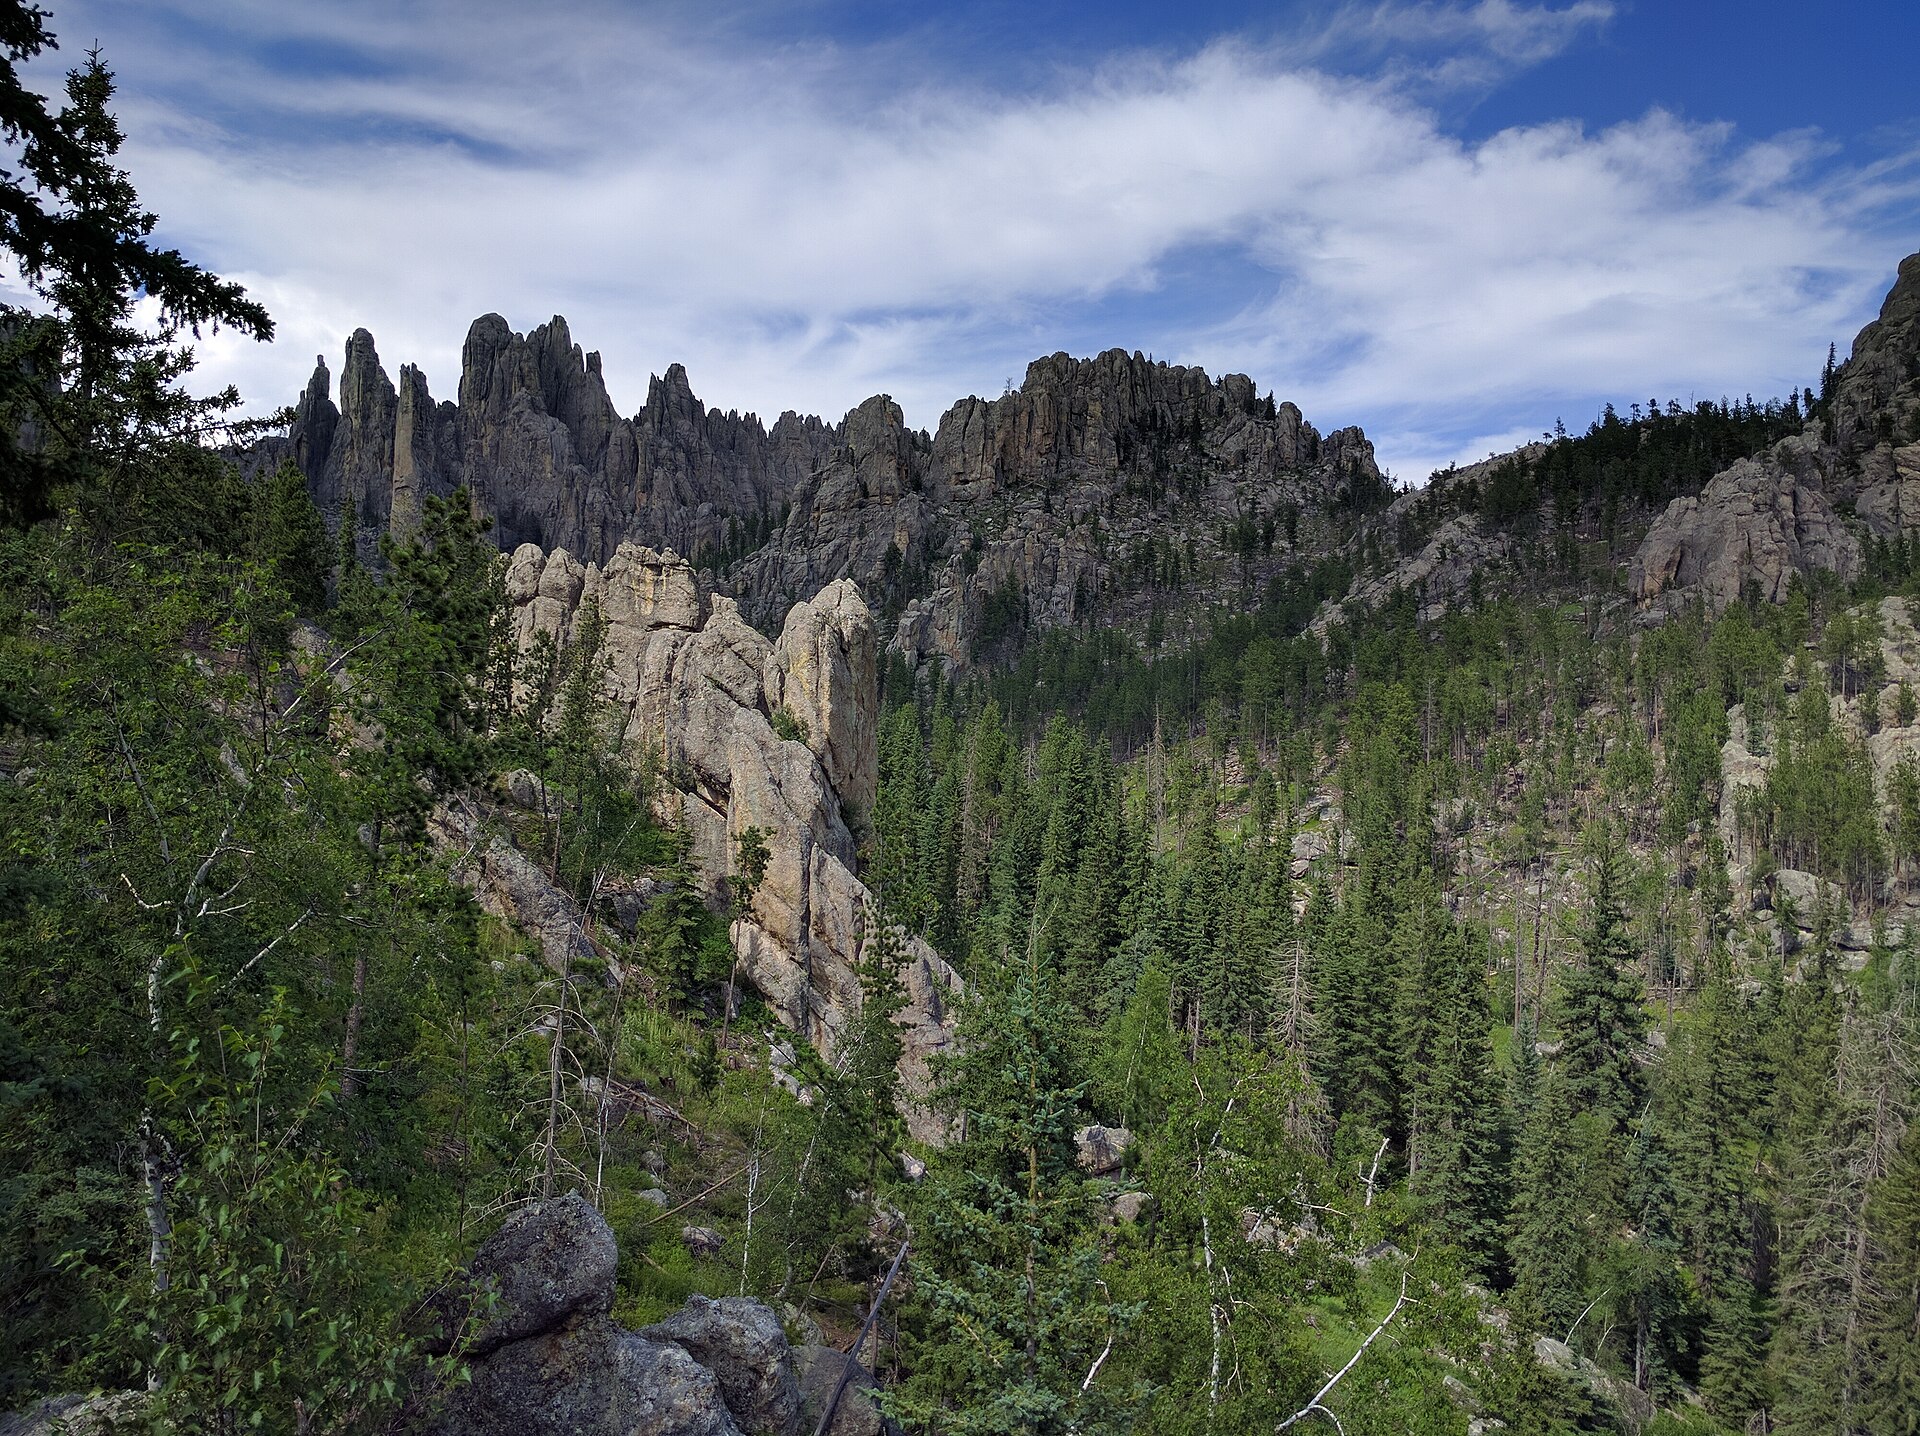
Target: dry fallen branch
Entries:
(1334, 1380)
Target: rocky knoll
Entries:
(1087, 494)
(549, 1360)
(703, 692)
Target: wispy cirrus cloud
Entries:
(805, 222)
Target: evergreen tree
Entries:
(1602, 1025)
(1455, 1139)
(1549, 1246)
(288, 534)
(1006, 1266)
(86, 396)
(1891, 1399)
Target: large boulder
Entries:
(544, 1266)
(822, 1369)
(548, 1360)
(1101, 1150)
(743, 1344)
(594, 1379)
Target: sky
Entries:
(1452, 222)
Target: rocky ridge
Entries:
(1098, 492)
(1083, 496)
(1812, 502)
(538, 443)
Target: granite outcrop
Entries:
(548, 1358)
(776, 736)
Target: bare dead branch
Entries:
(1334, 1380)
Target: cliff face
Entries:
(1078, 499)
(701, 689)
(1766, 519)
(1085, 496)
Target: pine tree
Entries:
(1891, 1399)
(1823, 1355)
(1602, 1025)
(1454, 1141)
(1646, 1269)
(1550, 1242)
(289, 535)
(87, 397)
(1006, 1266)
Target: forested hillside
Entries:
(1438, 962)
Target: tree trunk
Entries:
(350, 1047)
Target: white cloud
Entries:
(1517, 34)
(802, 227)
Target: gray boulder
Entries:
(820, 1370)
(594, 1379)
(742, 1343)
(1101, 1150)
(1631, 1402)
(546, 1264)
(550, 1361)
(75, 1415)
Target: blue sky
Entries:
(1451, 223)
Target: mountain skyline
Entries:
(1448, 224)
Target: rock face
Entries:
(510, 885)
(702, 691)
(1080, 497)
(549, 1361)
(1065, 502)
(821, 1369)
(94, 1416)
(1757, 524)
(1766, 519)
(544, 1266)
(1101, 1150)
(1441, 574)
(538, 443)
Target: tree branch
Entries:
(1334, 1380)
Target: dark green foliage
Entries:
(289, 535)
(1817, 809)
(1456, 1116)
(93, 403)
(1644, 460)
(1600, 1020)
(1552, 1236)
(1891, 1321)
(1011, 1310)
